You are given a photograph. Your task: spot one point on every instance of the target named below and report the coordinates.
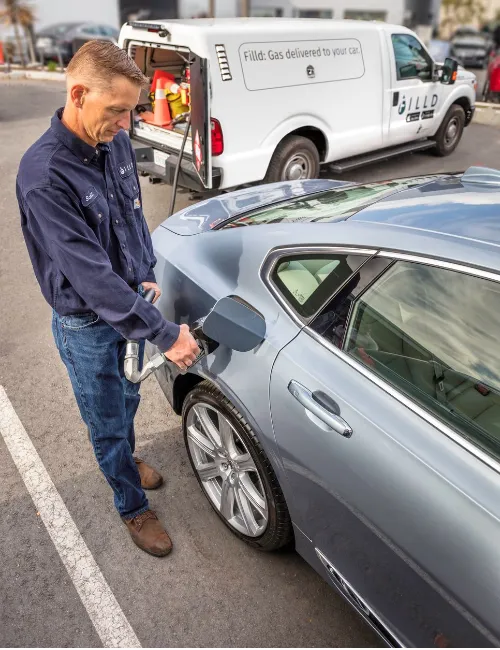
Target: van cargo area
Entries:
(151, 60)
(175, 102)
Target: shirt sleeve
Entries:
(57, 223)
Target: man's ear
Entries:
(77, 94)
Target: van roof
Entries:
(266, 25)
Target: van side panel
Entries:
(255, 117)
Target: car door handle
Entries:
(322, 406)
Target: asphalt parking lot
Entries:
(213, 590)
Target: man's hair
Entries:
(100, 61)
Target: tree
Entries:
(461, 12)
(18, 14)
(26, 17)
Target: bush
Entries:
(51, 66)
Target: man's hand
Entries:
(184, 351)
(152, 285)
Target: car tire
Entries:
(295, 158)
(205, 400)
(450, 132)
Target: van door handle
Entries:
(322, 406)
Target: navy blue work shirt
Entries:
(82, 220)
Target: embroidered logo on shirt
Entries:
(90, 195)
(125, 169)
(137, 203)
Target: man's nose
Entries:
(124, 122)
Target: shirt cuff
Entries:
(150, 277)
(166, 337)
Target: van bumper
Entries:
(188, 176)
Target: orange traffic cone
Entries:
(162, 112)
(2, 58)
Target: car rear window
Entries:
(333, 205)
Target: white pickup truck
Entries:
(274, 99)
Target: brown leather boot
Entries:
(148, 533)
(150, 478)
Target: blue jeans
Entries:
(93, 353)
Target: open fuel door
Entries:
(200, 119)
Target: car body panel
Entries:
(372, 502)
(401, 511)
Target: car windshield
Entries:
(337, 204)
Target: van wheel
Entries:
(296, 158)
(233, 470)
(450, 131)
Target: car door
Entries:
(386, 412)
(415, 97)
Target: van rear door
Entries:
(200, 119)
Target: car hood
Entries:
(208, 214)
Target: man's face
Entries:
(105, 112)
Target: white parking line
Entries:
(101, 605)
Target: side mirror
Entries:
(449, 74)
(234, 324)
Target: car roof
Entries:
(451, 206)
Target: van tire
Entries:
(295, 158)
(450, 132)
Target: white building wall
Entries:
(49, 12)
(393, 9)
(193, 8)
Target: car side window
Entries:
(432, 333)
(331, 322)
(306, 281)
(412, 60)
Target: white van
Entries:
(273, 98)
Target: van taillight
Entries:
(217, 137)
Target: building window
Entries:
(313, 13)
(270, 12)
(353, 14)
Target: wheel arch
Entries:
(184, 384)
(307, 126)
(466, 105)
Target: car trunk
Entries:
(167, 138)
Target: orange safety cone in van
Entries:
(162, 112)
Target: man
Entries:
(82, 219)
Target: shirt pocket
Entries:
(95, 208)
(130, 188)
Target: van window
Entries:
(412, 60)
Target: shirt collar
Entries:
(85, 152)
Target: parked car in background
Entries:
(441, 50)
(472, 47)
(64, 39)
(364, 423)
